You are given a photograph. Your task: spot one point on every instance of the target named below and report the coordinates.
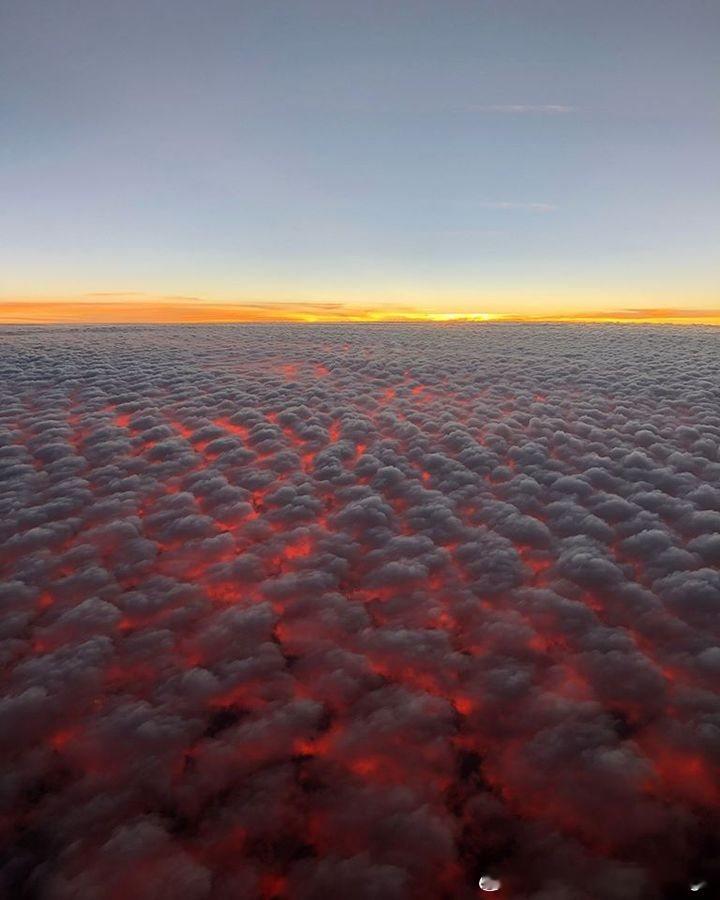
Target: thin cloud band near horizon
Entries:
(141, 308)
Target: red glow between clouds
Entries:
(283, 628)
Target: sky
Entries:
(326, 159)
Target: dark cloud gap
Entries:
(295, 612)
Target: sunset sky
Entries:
(325, 159)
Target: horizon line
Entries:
(144, 309)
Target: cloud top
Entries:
(343, 611)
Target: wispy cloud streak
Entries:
(509, 204)
(542, 109)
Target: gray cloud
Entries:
(371, 611)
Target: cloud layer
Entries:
(364, 612)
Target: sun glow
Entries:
(143, 309)
(463, 317)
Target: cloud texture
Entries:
(360, 612)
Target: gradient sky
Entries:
(511, 156)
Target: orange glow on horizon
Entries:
(195, 311)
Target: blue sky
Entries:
(450, 155)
